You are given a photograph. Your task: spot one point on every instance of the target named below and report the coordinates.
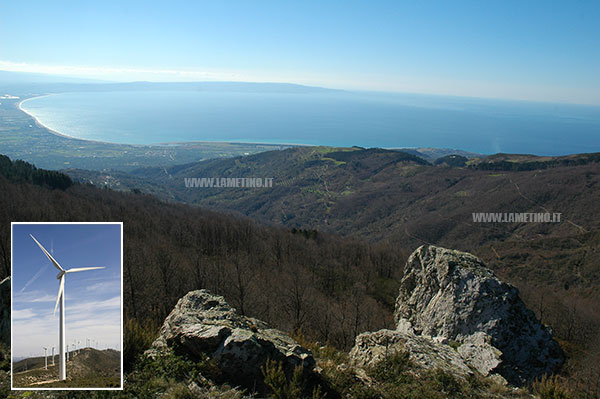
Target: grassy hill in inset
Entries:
(90, 368)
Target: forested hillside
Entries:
(329, 287)
(23, 172)
(397, 198)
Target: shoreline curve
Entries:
(53, 131)
(168, 143)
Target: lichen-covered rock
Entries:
(449, 299)
(202, 324)
(374, 347)
(480, 354)
(453, 295)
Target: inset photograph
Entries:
(67, 307)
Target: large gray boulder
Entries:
(451, 297)
(203, 324)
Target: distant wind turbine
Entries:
(45, 359)
(62, 364)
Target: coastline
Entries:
(41, 125)
(177, 143)
(172, 143)
(186, 144)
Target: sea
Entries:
(332, 118)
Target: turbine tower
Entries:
(62, 364)
(53, 356)
(45, 359)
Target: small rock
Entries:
(372, 348)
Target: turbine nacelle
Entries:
(60, 274)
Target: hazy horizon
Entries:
(74, 79)
(534, 51)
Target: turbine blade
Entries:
(54, 262)
(82, 269)
(61, 290)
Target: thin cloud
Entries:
(32, 297)
(103, 287)
(98, 320)
(35, 277)
(45, 298)
(23, 314)
(111, 303)
(108, 72)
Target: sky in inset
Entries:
(92, 300)
(539, 50)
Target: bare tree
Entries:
(242, 278)
(295, 296)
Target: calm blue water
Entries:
(327, 118)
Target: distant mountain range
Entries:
(9, 78)
(11, 81)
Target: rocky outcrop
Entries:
(372, 348)
(451, 297)
(5, 311)
(202, 324)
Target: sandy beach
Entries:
(40, 124)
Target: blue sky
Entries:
(537, 50)
(93, 298)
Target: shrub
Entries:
(167, 374)
(447, 383)
(137, 338)
(550, 388)
(169, 364)
(392, 369)
(179, 391)
(4, 357)
(277, 381)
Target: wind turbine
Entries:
(62, 364)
